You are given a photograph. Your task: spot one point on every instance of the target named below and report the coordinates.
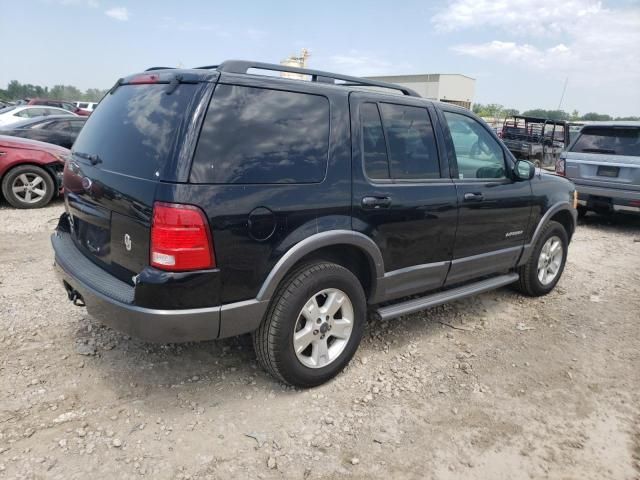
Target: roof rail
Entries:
(243, 66)
(159, 68)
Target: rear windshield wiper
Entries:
(94, 159)
(598, 150)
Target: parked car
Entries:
(70, 106)
(212, 202)
(538, 140)
(86, 106)
(30, 171)
(604, 163)
(18, 113)
(60, 130)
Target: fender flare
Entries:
(316, 242)
(555, 208)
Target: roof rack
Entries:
(243, 66)
(159, 68)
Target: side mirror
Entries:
(524, 170)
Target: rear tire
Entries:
(28, 186)
(544, 268)
(313, 304)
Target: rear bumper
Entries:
(110, 301)
(618, 200)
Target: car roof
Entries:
(43, 118)
(319, 78)
(613, 123)
(19, 142)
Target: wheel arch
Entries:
(47, 167)
(353, 250)
(561, 212)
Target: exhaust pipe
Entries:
(74, 295)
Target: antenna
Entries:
(564, 89)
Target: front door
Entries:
(401, 199)
(494, 206)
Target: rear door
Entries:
(494, 208)
(402, 197)
(605, 156)
(117, 161)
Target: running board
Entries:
(422, 303)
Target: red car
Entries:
(30, 171)
(60, 104)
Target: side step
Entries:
(422, 303)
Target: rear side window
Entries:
(609, 140)
(400, 145)
(412, 147)
(255, 135)
(374, 147)
(135, 130)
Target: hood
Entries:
(27, 144)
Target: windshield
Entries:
(134, 130)
(609, 140)
(7, 109)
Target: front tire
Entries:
(313, 326)
(544, 268)
(28, 186)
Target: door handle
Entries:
(473, 196)
(374, 203)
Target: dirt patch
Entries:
(526, 388)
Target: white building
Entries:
(446, 87)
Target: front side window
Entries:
(257, 136)
(478, 154)
(609, 141)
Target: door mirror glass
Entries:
(524, 170)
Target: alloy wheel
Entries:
(323, 328)
(29, 187)
(550, 260)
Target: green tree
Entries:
(593, 116)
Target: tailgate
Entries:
(603, 170)
(117, 162)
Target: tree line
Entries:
(17, 91)
(495, 110)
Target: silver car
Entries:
(604, 163)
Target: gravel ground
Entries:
(494, 387)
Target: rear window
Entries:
(609, 140)
(135, 129)
(255, 135)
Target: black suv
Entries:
(211, 202)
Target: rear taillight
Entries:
(180, 238)
(560, 166)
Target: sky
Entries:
(520, 52)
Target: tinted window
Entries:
(374, 148)
(412, 148)
(83, 105)
(478, 154)
(255, 135)
(136, 128)
(76, 126)
(609, 140)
